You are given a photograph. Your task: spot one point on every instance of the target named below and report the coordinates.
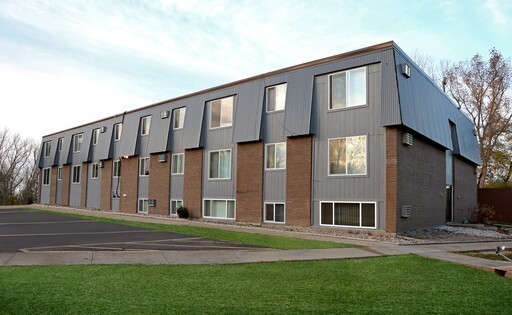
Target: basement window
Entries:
(349, 214)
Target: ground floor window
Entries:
(219, 209)
(274, 212)
(175, 205)
(143, 205)
(348, 214)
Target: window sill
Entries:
(330, 110)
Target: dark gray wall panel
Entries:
(75, 192)
(159, 130)
(143, 190)
(274, 186)
(193, 120)
(247, 116)
(64, 156)
(176, 187)
(102, 150)
(390, 106)
(93, 191)
(272, 127)
(298, 102)
(130, 134)
(86, 143)
(45, 195)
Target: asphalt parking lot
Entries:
(23, 230)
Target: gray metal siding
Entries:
(93, 191)
(247, 116)
(193, 121)
(75, 192)
(159, 130)
(143, 189)
(86, 144)
(176, 187)
(274, 185)
(390, 106)
(58, 192)
(45, 195)
(129, 134)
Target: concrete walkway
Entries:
(367, 249)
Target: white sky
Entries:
(65, 63)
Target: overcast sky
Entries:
(65, 63)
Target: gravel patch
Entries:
(447, 233)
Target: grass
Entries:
(384, 285)
(262, 240)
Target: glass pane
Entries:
(225, 164)
(271, 99)
(215, 114)
(346, 214)
(338, 90)
(356, 155)
(368, 215)
(269, 212)
(357, 85)
(218, 208)
(271, 156)
(174, 207)
(326, 213)
(337, 159)
(279, 212)
(207, 211)
(214, 164)
(281, 97)
(281, 155)
(181, 163)
(231, 209)
(227, 111)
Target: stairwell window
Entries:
(77, 142)
(347, 156)
(46, 176)
(275, 156)
(116, 168)
(145, 123)
(144, 166)
(220, 164)
(59, 173)
(178, 164)
(221, 112)
(95, 171)
(76, 174)
(347, 88)
(276, 97)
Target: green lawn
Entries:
(269, 241)
(384, 285)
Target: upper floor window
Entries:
(220, 164)
(116, 168)
(221, 112)
(347, 88)
(179, 118)
(347, 156)
(276, 97)
(145, 123)
(95, 136)
(77, 142)
(95, 171)
(59, 144)
(47, 147)
(178, 163)
(46, 176)
(144, 166)
(76, 173)
(118, 129)
(275, 156)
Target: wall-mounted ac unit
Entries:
(406, 211)
(103, 129)
(406, 70)
(407, 138)
(162, 158)
(101, 164)
(152, 202)
(164, 114)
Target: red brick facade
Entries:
(129, 184)
(192, 182)
(392, 135)
(106, 185)
(66, 180)
(159, 184)
(249, 182)
(53, 185)
(83, 183)
(298, 180)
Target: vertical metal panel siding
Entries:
(193, 121)
(45, 195)
(390, 104)
(75, 192)
(298, 102)
(426, 110)
(103, 147)
(64, 157)
(129, 134)
(274, 186)
(93, 192)
(176, 186)
(86, 144)
(247, 117)
(159, 130)
(143, 191)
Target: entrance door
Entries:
(449, 203)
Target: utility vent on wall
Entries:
(162, 158)
(103, 129)
(406, 70)
(407, 138)
(164, 114)
(406, 211)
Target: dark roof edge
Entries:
(369, 49)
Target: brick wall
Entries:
(159, 184)
(392, 140)
(249, 182)
(83, 182)
(129, 184)
(464, 190)
(66, 179)
(192, 181)
(500, 199)
(298, 180)
(106, 184)
(53, 185)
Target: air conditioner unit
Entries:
(101, 164)
(406, 70)
(407, 139)
(152, 202)
(103, 129)
(164, 114)
(406, 211)
(162, 158)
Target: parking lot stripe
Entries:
(47, 222)
(80, 233)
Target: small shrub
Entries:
(183, 213)
(482, 214)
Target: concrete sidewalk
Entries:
(367, 249)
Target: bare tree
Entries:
(18, 169)
(482, 89)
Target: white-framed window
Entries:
(46, 176)
(143, 205)
(175, 205)
(59, 144)
(347, 88)
(145, 123)
(76, 174)
(276, 97)
(118, 130)
(47, 147)
(221, 112)
(95, 136)
(116, 168)
(275, 156)
(144, 166)
(219, 164)
(77, 142)
(347, 156)
(95, 171)
(349, 214)
(59, 173)
(274, 212)
(178, 164)
(219, 208)
(178, 118)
